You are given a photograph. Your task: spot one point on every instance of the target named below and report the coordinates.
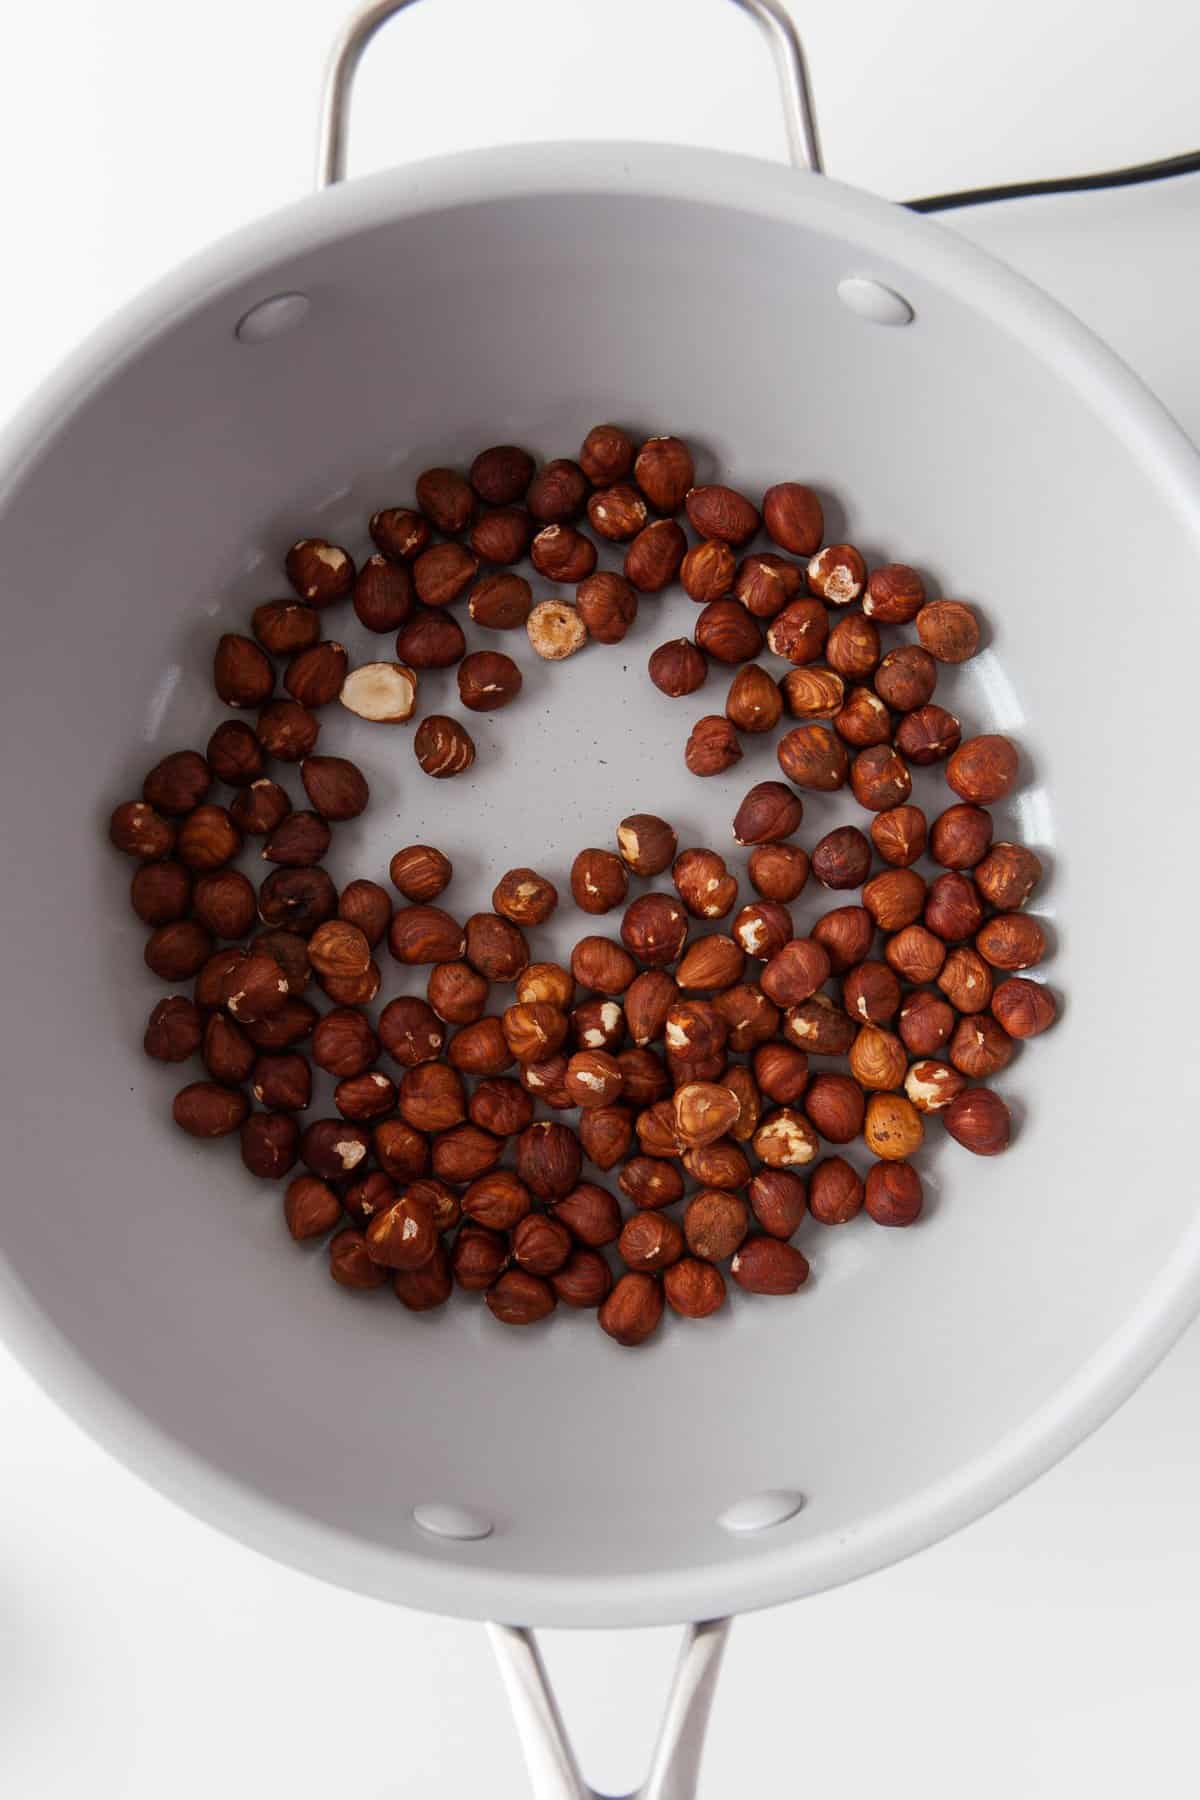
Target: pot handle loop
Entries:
(554, 1773)
(771, 16)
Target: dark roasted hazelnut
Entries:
(259, 808)
(310, 1207)
(343, 1043)
(650, 1241)
(793, 518)
(558, 492)
(754, 702)
(270, 1143)
(656, 1133)
(799, 632)
(242, 673)
(205, 1109)
(464, 1153)
(694, 1289)
(871, 993)
(842, 858)
(207, 839)
(949, 630)
(319, 571)
(298, 899)
(430, 1286)
(540, 1244)
(618, 513)
(549, 1159)
(234, 754)
(779, 871)
(606, 1133)
(819, 1027)
(457, 993)
(383, 595)
(177, 951)
(765, 583)
(349, 1262)
(501, 1106)
(895, 898)
(906, 678)
(607, 605)
(298, 842)
(501, 536)
(431, 640)
(845, 935)
(399, 532)
(769, 813)
(980, 1046)
(314, 677)
(401, 1151)
(655, 556)
(812, 757)
(953, 908)
(336, 787)
(648, 1001)
(282, 1081)
(334, 1147)
(478, 1257)
(225, 903)
(561, 553)
(446, 498)
(487, 680)
(835, 1192)
(879, 778)
(607, 454)
(895, 594)
(1008, 875)
(654, 929)
(501, 474)
(352, 990)
(160, 892)
(290, 1025)
(402, 1234)
(174, 1030)
(599, 881)
(284, 626)
(928, 735)
(585, 1279)
(178, 783)
(926, 1022)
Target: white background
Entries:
(1050, 1649)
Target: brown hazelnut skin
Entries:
(779, 871)
(501, 474)
(842, 858)
(281, 1081)
(915, 953)
(906, 678)
(654, 929)
(540, 1245)
(585, 1279)
(650, 1241)
(981, 1047)
(270, 1143)
(704, 884)
(863, 720)
(893, 1194)
(762, 929)
(207, 839)
(853, 648)
(835, 1192)
(314, 677)
(298, 841)
(879, 778)
(899, 835)
(648, 1001)
(500, 601)
(420, 872)
(677, 668)
(953, 909)
(319, 571)
(819, 1027)
(549, 1159)
(411, 1032)
(343, 1043)
(931, 1085)
(593, 1078)
(259, 808)
(478, 1257)
(606, 1133)
(765, 583)
(647, 844)
(177, 783)
(242, 673)
(336, 787)
(781, 1072)
(500, 536)
(811, 756)
(633, 1309)
(785, 1138)
(383, 597)
(298, 899)
(1011, 941)
(893, 1128)
(926, 1022)
(710, 964)
(430, 640)
(234, 754)
(558, 492)
(751, 1018)
(793, 518)
(766, 1265)
(651, 1182)
(399, 532)
(524, 897)
(777, 1200)
(457, 993)
(334, 1147)
(871, 993)
(310, 1207)
(607, 454)
(598, 1025)
(796, 972)
(693, 1289)
(177, 951)
(424, 1289)
(664, 471)
(205, 1109)
(696, 1032)
(838, 573)
(366, 904)
(284, 626)
(706, 572)
(836, 1105)
(720, 1164)
(425, 934)
(655, 556)
(160, 892)
(845, 935)
(602, 965)
(349, 1263)
(497, 1199)
(607, 605)
(618, 512)
(488, 680)
(480, 1049)
(769, 813)
(432, 1097)
(561, 553)
(225, 903)
(656, 1135)
(174, 1030)
(979, 1120)
(754, 702)
(1024, 1008)
(927, 735)
(290, 1025)
(1008, 875)
(446, 499)
(894, 899)
(728, 633)
(959, 838)
(799, 632)
(948, 630)
(983, 769)
(714, 1224)
(591, 1214)
(228, 1053)
(895, 594)
(599, 881)
(721, 512)
(519, 1298)
(464, 1153)
(966, 980)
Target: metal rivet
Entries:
(443, 1519)
(271, 318)
(871, 300)
(758, 1512)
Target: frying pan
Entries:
(292, 380)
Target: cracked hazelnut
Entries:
(765, 583)
(174, 1030)
(853, 647)
(704, 884)
(864, 720)
(785, 1139)
(446, 499)
(425, 934)
(558, 492)
(556, 630)
(284, 626)
(383, 692)
(310, 1207)
(501, 474)
(259, 808)
(953, 909)
(871, 992)
(836, 1105)
(727, 632)
(931, 1085)
(793, 518)
(795, 972)
(820, 1027)
(430, 640)
(762, 929)
(618, 512)
(966, 980)
(769, 813)
(960, 837)
(549, 1159)
(1024, 1008)
(926, 1023)
(607, 605)
(778, 871)
(478, 1257)
(880, 778)
(842, 858)
(443, 747)
(895, 594)
(649, 1241)
(160, 892)
(546, 981)
(979, 1121)
(633, 1309)
(766, 1265)
(599, 881)
(949, 630)
(207, 839)
(928, 735)
(915, 953)
(606, 1133)
(234, 754)
(878, 1060)
(799, 632)
(336, 788)
(242, 674)
(1008, 875)
(654, 929)
(838, 573)
(893, 1193)
(895, 898)
(383, 598)
(983, 769)
(707, 570)
(646, 843)
(899, 833)
(754, 702)
(812, 757)
(655, 556)
(314, 677)
(893, 1128)
(500, 601)
(777, 1200)
(1011, 941)
(561, 553)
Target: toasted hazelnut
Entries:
(431, 640)
(754, 702)
(980, 1121)
(871, 993)
(557, 492)
(255, 988)
(160, 892)
(353, 990)
(607, 454)
(894, 899)
(599, 881)
(366, 904)
(425, 934)
(655, 556)
(693, 1289)
(878, 1059)
(457, 993)
(259, 808)
(369, 1195)
(314, 677)
(696, 1031)
(966, 980)
(478, 1257)
(983, 769)
(664, 471)
(766, 1265)
(500, 601)
(290, 951)
(487, 680)
(590, 1213)
(812, 757)
(838, 573)
(926, 1023)
(895, 594)
(207, 839)
(298, 899)
(706, 572)
(899, 834)
(501, 474)
(598, 1025)
(949, 630)
(1024, 1008)
(298, 842)
(336, 788)
(785, 1139)
(879, 778)
(728, 633)
(704, 884)
(350, 1264)
(751, 1018)
(704, 1111)
(549, 1159)
(795, 972)
(225, 903)
(762, 929)
(534, 1030)
(242, 674)
(607, 605)
(710, 963)
(1011, 941)
(446, 498)
(714, 1224)
(284, 626)
(678, 668)
(443, 747)
(501, 535)
(606, 1133)
(842, 858)
(853, 647)
(519, 1298)
(411, 1032)
(293, 1022)
(432, 1097)
(646, 844)
(281, 1081)
(720, 1164)
(799, 632)
(384, 692)
(648, 1002)
(497, 1199)
(777, 1200)
(793, 518)
(547, 1081)
(654, 929)
(721, 512)
(540, 1244)
(524, 897)
(383, 598)
(656, 1133)
(177, 783)
(593, 1078)
(906, 678)
(960, 837)
(953, 909)
(424, 1289)
(633, 1309)
(835, 1192)
(928, 735)
(402, 1235)
(778, 871)
(618, 512)
(546, 981)
(893, 1128)
(819, 1027)
(649, 1241)
(765, 583)
(334, 1147)
(399, 532)
(556, 630)
(234, 754)
(205, 1109)
(769, 813)
(310, 1207)
(893, 1193)
(981, 1047)
(863, 720)
(915, 953)
(561, 553)
(781, 1072)
(585, 1279)
(651, 1183)
(174, 1030)
(464, 1153)
(932, 1085)
(1008, 875)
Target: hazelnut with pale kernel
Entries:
(931, 1085)
(524, 897)
(799, 632)
(838, 573)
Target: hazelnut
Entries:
(693, 1289)
(598, 1025)
(501, 474)
(960, 837)
(646, 844)
(799, 632)
(254, 988)
(704, 884)
(633, 1309)
(645, 1079)
(557, 492)
(835, 1192)
(762, 929)
(502, 536)
(764, 583)
(819, 1027)
(353, 990)
(336, 788)
(177, 783)
(487, 680)
(547, 1082)
(225, 903)
(648, 1001)
(1008, 875)
(894, 899)
(383, 597)
(928, 735)
(443, 747)
(895, 594)
(781, 1072)
(234, 754)
(160, 892)
(1024, 1008)
(793, 518)
(1011, 941)
(953, 909)
(446, 499)
(966, 981)
(432, 1097)
(651, 1183)
(983, 769)
(457, 993)
(561, 553)
(838, 573)
(870, 992)
(590, 1213)
(228, 1052)
(319, 571)
(208, 839)
(754, 702)
(242, 674)
(649, 1241)
(769, 813)
(519, 1298)
(795, 972)
(546, 981)
(585, 1279)
(480, 1049)
(556, 630)
(399, 532)
(366, 904)
(464, 1153)
(721, 512)
(696, 1031)
(259, 808)
(281, 1081)
(778, 871)
(915, 953)
(607, 454)
(205, 1109)
(707, 570)
(607, 605)
(349, 1263)
(842, 858)
(728, 633)
(618, 513)
(678, 668)
(174, 1030)
(932, 1085)
(980, 1047)
(410, 1031)
(812, 757)
(853, 647)
(654, 929)
(766, 1265)
(602, 965)
(606, 1134)
(423, 1289)
(785, 1139)
(425, 934)
(284, 626)
(719, 1164)
(478, 1257)
(711, 963)
(298, 841)
(704, 1111)
(314, 677)
(310, 1207)
(593, 1078)
(384, 692)
(906, 678)
(655, 556)
(431, 640)
(293, 1022)
(864, 720)
(599, 881)
(501, 1106)
(777, 1200)
(333, 1147)
(540, 1245)
(524, 897)
(664, 471)
(549, 1159)
(949, 630)
(402, 1235)
(898, 833)
(893, 1193)
(750, 1017)
(979, 1121)
(893, 1128)
(836, 1105)
(498, 1200)
(926, 1022)
(656, 1135)
(714, 1224)
(880, 778)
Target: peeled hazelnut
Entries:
(557, 492)
(174, 1030)
(646, 844)
(728, 633)
(894, 899)
(228, 1053)
(432, 1097)
(895, 594)
(298, 842)
(893, 1128)
(269, 1144)
(598, 1025)
(351, 1265)
(464, 1153)
(853, 647)
(431, 640)
(795, 972)
(430, 1286)
(633, 1309)
(310, 1207)
(714, 1224)
(769, 813)
(284, 626)
(655, 556)
(1024, 1008)
(384, 692)
(845, 935)
(502, 536)
(779, 871)
(234, 754)
(598, 881)
(915, 953)
(425, 934)
(556, 630)
(478, 1257)
(799, 632)
(650, 1182)
(864, 720)
(812, 757)
(838, 573)
(710, 963)
(819, 1027)
(457, 993)
(207, 839)
(785, 1139)
(751, 1018)
(704, 884)
(932, 1085)
(960, 837)
(926, 1022)
(281, 1081)
(336, 788)
(487, 680)
(706, 572)
(678, 668)
(704, 1111)
(792, 516)
(606, 1133)
(314, 677)
(842, 858)
(766, 1265)
(648, 1001)
(981, 1047)
(654, 929)
(898, 833)
(893, 1193)
(443, 747)
(399, 532)
(618, 513)
(880, 778)
(602, 965)
(225, 903)
(928, 735)
(650, 1241)
(980, 1121)
(781, 1072)
(334, 1147)
(519, 1298)
(242, 674)
(561, 553)
(754, 702)
(549, 1159)
(501, 474)
(480, 1048)
(546, 981)
(835, 1106)
(762, 929)
(953, 909)
(1011, 941)
(764, 583)
(1008, 875)
(383, 597)
(983, 769)
(949, 630)
(607, 605)
(871, 993)
(966, 980)
(160, 892)
(835, 1192)
(446, 498)
(540, 1245)
(259, 808)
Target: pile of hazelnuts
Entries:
(688, 1060)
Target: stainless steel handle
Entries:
(554, 1773)
(771, 16)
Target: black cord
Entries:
(1187, 164)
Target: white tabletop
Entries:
(1049, 1649)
